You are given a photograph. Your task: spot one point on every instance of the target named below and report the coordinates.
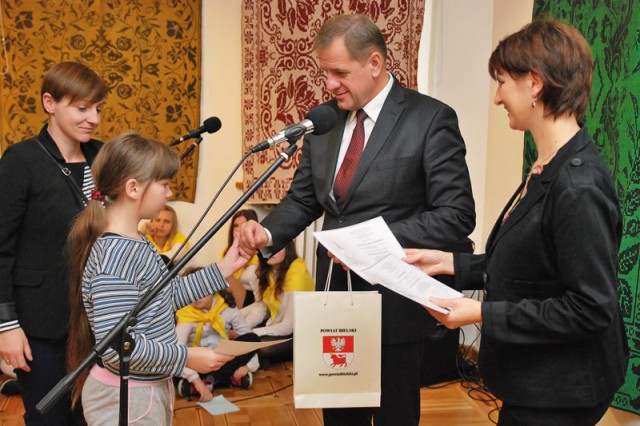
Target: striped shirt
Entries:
(119, 271)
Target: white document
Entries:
(371, 250)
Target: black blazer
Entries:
(552, 332)
(38, 206)
(412, 173)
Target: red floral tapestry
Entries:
(281, 77)
(147, 51)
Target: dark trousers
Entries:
(47, 368)
(511, 415)
(400, 396)
(223, 376)
(276, 353)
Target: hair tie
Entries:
(96, 195)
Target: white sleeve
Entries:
(254, 363)
(283, 324)
(249, 279)
(182, 333)
(254, 313)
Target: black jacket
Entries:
(37, 206)
(412, 173)
(552, 331)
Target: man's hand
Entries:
(337, 261)
(252, 237)
(15, 349)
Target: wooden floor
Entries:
(270, 402)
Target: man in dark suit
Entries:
(412, 172)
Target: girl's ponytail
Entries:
(88, 226)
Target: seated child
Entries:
(271, 315)
(206, 322)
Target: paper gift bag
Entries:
(336, 349)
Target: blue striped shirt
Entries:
(119, 271)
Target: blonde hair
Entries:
(174, 225)
(127, 156)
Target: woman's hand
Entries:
(462, 311)
(206, 360)
(432, 262)
(15, 349)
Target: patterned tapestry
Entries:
(281, 78)
(147, 51)
(612, 29)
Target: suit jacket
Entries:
(552, 333)
(412, 173)
(38, 206)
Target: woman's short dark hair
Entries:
(559, 55)
(75, 80)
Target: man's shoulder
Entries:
(421, 99)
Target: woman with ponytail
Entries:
(114, 265)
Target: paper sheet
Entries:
(219, 405)
(371, 250)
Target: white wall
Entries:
(461, 38)
(220, 152)
(503, 171)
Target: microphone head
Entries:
(323, 117)
(212, 124)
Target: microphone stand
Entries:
(191, 148)
(126, 346)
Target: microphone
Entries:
(210, 125)
(318, 121)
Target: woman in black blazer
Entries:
(44, 182)
(553, 345)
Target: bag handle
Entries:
(328, 284)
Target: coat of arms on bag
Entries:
(337, 351)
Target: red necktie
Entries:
(351, 159)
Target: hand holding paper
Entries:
(371, 250)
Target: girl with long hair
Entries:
(114, 265)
